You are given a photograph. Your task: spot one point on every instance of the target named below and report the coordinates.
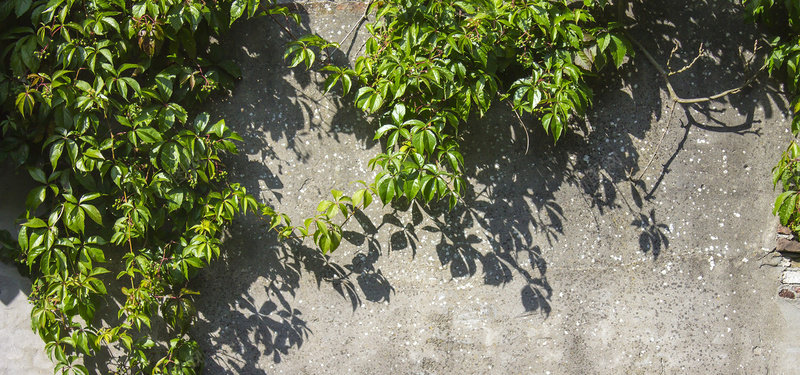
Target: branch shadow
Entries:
(511, 214)
(247, 306)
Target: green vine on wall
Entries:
(783, 17)
(429, 65)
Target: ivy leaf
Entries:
(38, 175)
(398, 113)
(55, 152)
(164, 85)
(148, 135)
(411, 188)
(330, 81)
(22, 7)
(93, 213)
(237, 9)
(324, 205)
(139, 9)
(35, 197)
(170, 157)
(386, 188)
(787, 208)
(347, 83)
(424, 141)
(383, 129)
(618, 50)
(94, 154)
(24, 103)
(428, 187)
(74, 217)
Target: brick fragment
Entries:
(786, 245)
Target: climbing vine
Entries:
(430, 64)
(99, 102)
(783, 18)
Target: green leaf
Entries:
(74, 217)
(148, 134)
(383, 129)
(94, 153)
(398, 113)
(35, 223)
(452, 201)
(330, 81)
(139, 9)
(93, 213)
(36, 196)
(787, 208)
(780, 199)
(386, 188)
(308, 57)
(25, 103)
(358, 197)
(534, 97)
(324, 205)
(170, 157)
(411, 187)
(237, 8)
(38, 175)
(22, 7)
(335, 238)
(603, 42)
(428, 187)
(347, 83)
(618, 50)
(429, 140)
(424, 141)
(55, 152)
(164, 86)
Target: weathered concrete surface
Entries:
(21, 350)
(555, 263)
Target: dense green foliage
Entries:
(429, 65)
(96, 99)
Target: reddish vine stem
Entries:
(282, 26)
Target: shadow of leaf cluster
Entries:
(511, 213)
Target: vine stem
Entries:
(674, 96)
(522, 123)
(276, 21)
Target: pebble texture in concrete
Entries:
(555, 263)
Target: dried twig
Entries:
(672, 53)
(673, 96)
(677, 99)
(700, 53)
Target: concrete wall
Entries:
(555, 263)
